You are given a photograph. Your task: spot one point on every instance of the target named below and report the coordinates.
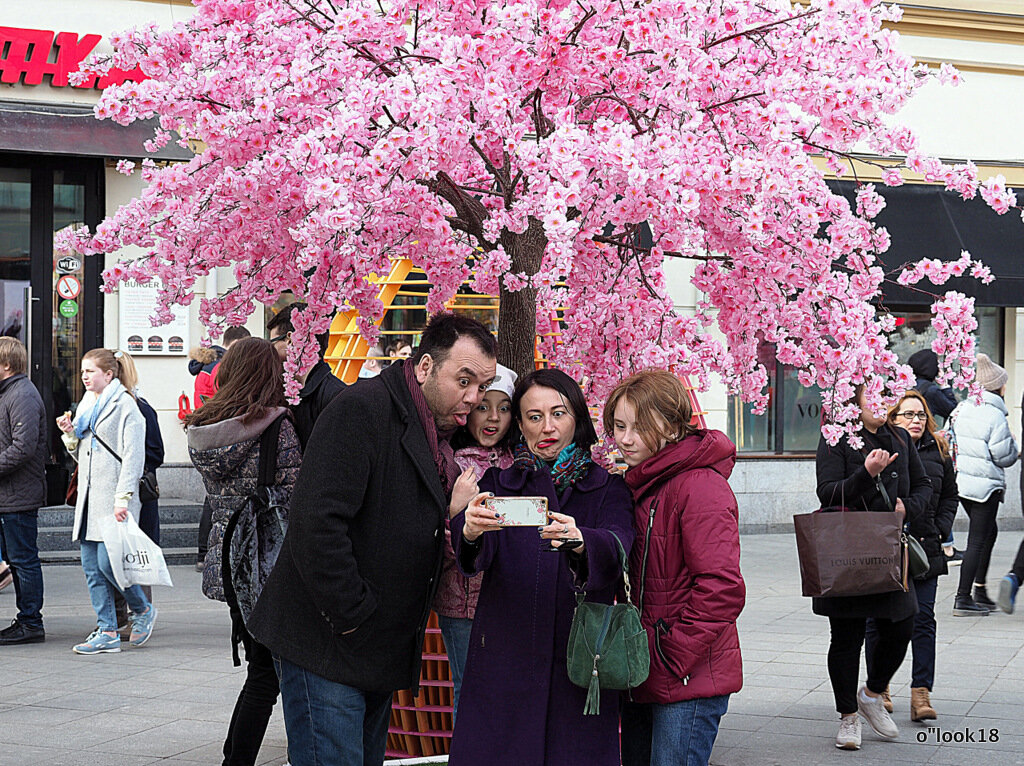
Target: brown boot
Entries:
(920, 706)
(887, 700)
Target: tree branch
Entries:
(759, 30)
(733, 100)
(667, 253)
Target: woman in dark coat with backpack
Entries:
(931, 528)
(224, 439)
(883, 476)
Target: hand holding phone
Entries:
(562, 532)
(479, 518)
(529, 511)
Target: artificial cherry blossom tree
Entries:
(523, 146)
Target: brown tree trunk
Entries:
(517, 315)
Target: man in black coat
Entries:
(319, 386)
(22, 489)
(345, 608)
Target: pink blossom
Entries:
(459, 135)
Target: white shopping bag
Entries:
(135, 559)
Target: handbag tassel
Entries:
(593, 706)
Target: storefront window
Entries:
(914, 332)
(68, 277)
(750, 432)
(792, 421)
(48, 299)
(15, 248)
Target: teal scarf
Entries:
(571, 465)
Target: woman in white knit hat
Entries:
(985, 448)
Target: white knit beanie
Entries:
(990, 375)
(504, 381)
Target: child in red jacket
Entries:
(686, 561)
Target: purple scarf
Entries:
(439, 441)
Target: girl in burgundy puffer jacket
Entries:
(686, 570)
(483, 444)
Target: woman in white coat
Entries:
(985, 448)
(107, 437)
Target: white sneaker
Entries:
(848, 737)
(873, 709)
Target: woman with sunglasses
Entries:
(930, 527)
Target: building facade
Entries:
(57, 170)
(977, 120)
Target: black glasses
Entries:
(912, 415)
(279, 338)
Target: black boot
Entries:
(964, 606)
(19, 633)
(981, 598)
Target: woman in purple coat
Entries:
(518, 706)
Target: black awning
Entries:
(40, 128)
(926, 221)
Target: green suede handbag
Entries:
(607, 645)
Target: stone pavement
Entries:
(785, 713)
(169, 702)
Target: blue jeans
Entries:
(676, 734)
(455, 631)
(922, 642)
(102, 586)
(331, 724)
(19, 531)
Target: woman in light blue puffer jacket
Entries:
(985, 448)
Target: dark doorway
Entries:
(40, 196)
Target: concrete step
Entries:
(172, 511)
(171, 535)
(179, 528)
(171, 556)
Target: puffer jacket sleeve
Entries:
(24, 441)
(709, 529)
(1002, 447)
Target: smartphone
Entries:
(520, 511)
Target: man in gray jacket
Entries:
(22, 489)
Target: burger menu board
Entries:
(136, 305)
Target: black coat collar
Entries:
(316, 376)
(414, 439)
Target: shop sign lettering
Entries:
(28, 55)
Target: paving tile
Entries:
(170, 701)
(168, 740)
